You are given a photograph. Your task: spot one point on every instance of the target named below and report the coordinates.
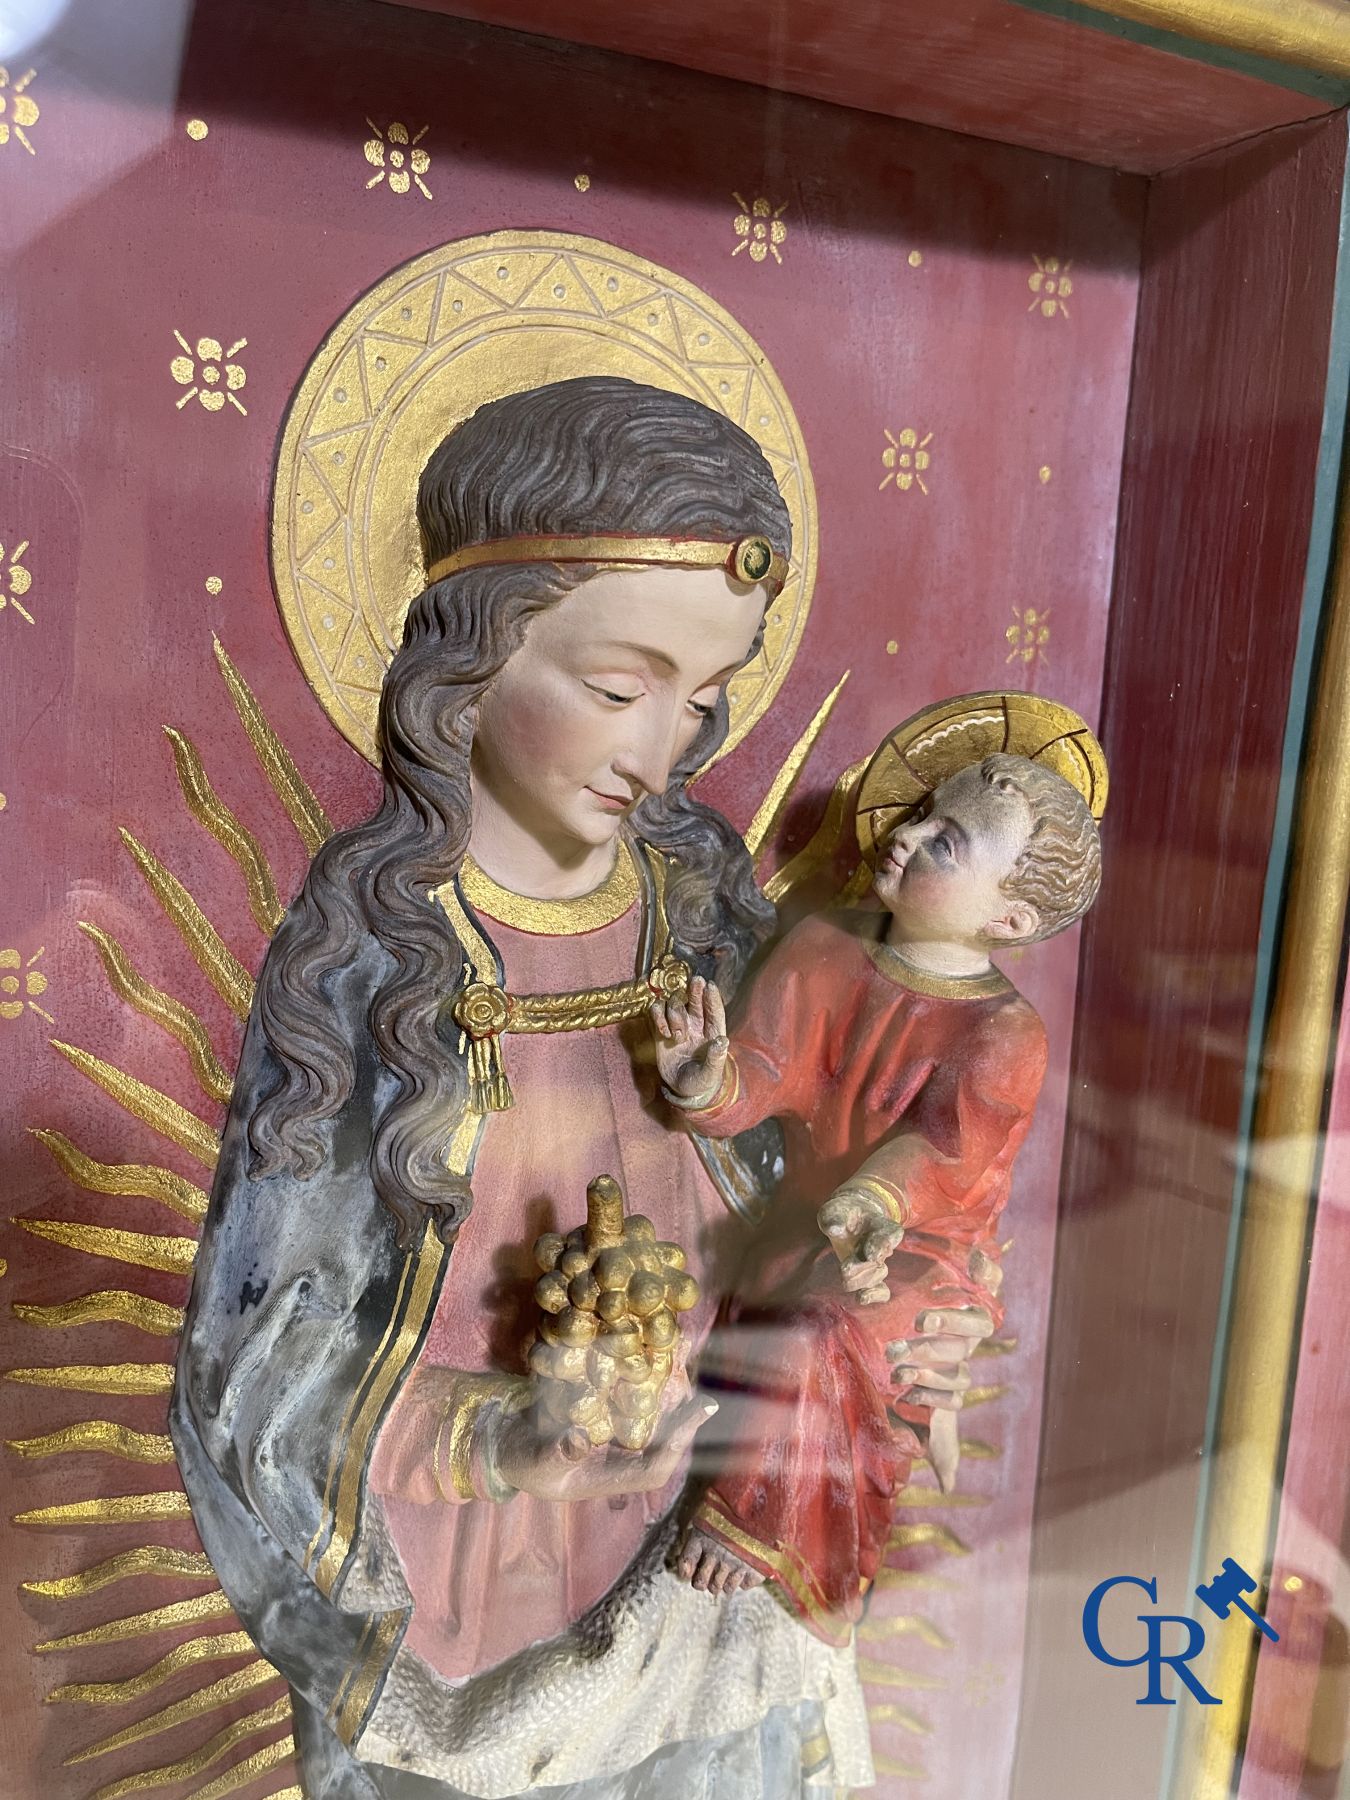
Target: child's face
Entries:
(941, 876)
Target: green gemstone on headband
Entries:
(755, 558)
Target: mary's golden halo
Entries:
(459, 326)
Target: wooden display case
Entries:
(1053, 294)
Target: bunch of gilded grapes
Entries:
(608, 1298)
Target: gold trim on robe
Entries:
(900, 970)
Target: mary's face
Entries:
(607, 693)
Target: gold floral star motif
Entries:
(759, 226)
(15, 580)
(1028, 635)
(201, 373)
(905, 459)
(17, 109)
(17, 992)
(1050, 286)
(395, 156)
(983, 1683)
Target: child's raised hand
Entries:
(691, 1042)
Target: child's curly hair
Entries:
(1060, 870)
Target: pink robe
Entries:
(489, 1578)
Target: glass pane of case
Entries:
(675, 840)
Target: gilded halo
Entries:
(941, 739)
(440, 336)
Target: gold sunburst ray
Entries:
(171, 1015)
(211, 1605)
(889, 1712)
(183, 1656)
(880, 1674)
(916, 1626)
(105, 1436)
(111, 1509)
(221, 967)
(225, 1692)
(981, 1396)
(147, 1104)
(188, 1767)
(303, 810)
(769, 813)
(820, 849)
(875, 1630)
(884, 1674)
(928, 1536)
(930, 1496)
(99, 1378)
(145, 1179)
(262, 1762)
(168, 1252)
(146, 1561)
(918, 1580)
(107, 1306)
(903, 1771)
(980, 1451)
(210, 811)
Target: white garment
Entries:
(653, 1663)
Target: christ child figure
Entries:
(904, 1069)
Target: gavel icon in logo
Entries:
(1225, 1592)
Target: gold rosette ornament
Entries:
(482, 1013)
(609, 1298)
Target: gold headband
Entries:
(749, 559)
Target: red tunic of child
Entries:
(918, 1089)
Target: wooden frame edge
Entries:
(1305, 34)
(1282, 1154)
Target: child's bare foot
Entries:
(707, 1564)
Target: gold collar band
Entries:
(750, 559)
(617, 893)
(937, 987)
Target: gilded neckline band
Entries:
(751, 559)
(616, 894)
(937, 987)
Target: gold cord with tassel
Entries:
(485, 1014)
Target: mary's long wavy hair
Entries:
(581, 456)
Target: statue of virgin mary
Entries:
(460, 1608)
